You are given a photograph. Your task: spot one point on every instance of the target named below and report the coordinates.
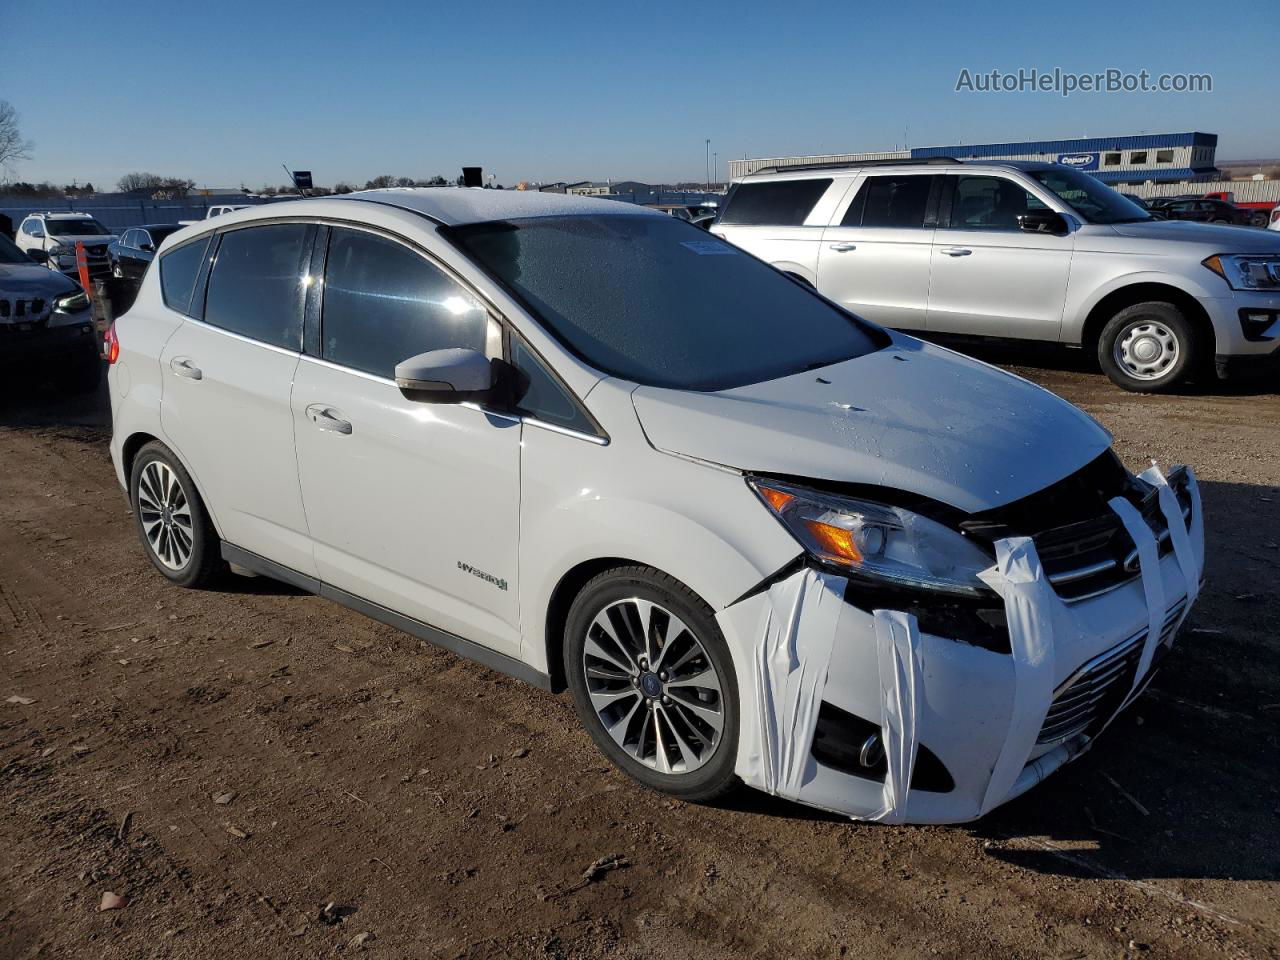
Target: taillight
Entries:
(111, 345)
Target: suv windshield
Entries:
(1089, 197)
(75, 227)
(9, 252)
(655, 300)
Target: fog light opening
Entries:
(872, 751)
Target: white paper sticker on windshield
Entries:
(708, 248)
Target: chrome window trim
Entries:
(241, 337)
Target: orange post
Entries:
(82, 266)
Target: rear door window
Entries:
(893, 200)
(178, 271)
(384, 303)
(257, 284)
(776, 203)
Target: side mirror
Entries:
(39, 256)
(148, 247)
(1043, 221)
(445, 376)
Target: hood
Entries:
(90, 240)
(913, 417)
(25, 281)
(1223, 238)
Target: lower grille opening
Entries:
(1092, 694)
(839, 741)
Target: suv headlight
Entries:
(1247, 271)
(72, 302)
(876, 540)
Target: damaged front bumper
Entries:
(862, 711)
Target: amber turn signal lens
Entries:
(836, 541)
(775, 498)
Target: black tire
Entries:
(203, 557)
(1161, 320)
(714, 776)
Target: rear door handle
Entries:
(323, 417)
(843, 247)
(956, 251)
(185, 368)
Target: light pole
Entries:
(715, 168)
(708, 180)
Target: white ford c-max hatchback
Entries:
(589, 445)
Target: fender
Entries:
(1077, 313)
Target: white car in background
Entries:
(1274, 223)
(51, 238)
(757, 538)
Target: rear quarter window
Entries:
(777, 203)
(178, 271)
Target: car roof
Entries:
(907, 164)
(454, 206)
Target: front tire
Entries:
(1148, 347)
(174, 526)
(652, 681)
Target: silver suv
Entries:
(1033, 251)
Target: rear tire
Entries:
(177, 535)
(1149, 347)
(662, 704)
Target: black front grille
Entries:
(1082, 544)
(28, 309)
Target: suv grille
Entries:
(1098, 689)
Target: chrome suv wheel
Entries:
(652, 681)
(172, 523)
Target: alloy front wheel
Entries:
(653, 686)
(653, 682)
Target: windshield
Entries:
(87, 227)
(658, 301)
(159, 233)
(9, 252)
(1089, 197)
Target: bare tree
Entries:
(12, 146)
(170, 186)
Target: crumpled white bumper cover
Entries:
(979, 712)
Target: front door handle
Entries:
(323, 417)
(843, 247)
(185, 368)
(956, 251)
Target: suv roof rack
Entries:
(838, 164)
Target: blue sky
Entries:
(224, 93)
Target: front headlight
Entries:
(1247, 271)
(876, 540)
(72, 302)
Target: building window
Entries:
(1111, 160)
(1138, 156)
(1164, 156)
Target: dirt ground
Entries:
(447, 811)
